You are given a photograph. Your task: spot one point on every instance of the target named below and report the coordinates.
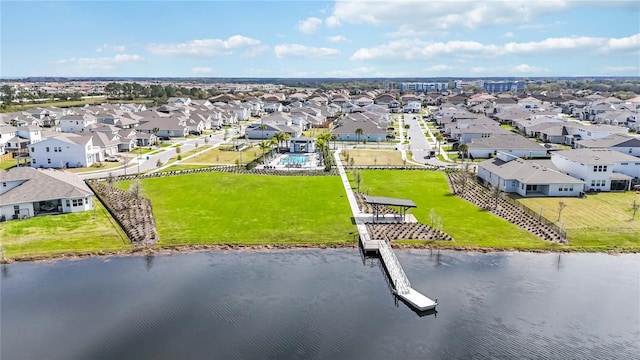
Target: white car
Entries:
(112, 159)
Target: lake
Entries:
(322, 304)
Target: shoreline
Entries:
(179, 249)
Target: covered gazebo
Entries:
(377, 201)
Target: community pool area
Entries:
(294, 161)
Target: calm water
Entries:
(328, 304)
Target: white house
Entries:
(622, 143)
(515, 175)
(27, 192)
(412, 107)
(600, 169)
(76, 123)
(63, 151)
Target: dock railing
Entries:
(398, 277)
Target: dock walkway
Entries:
(401, 284)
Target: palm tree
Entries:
(334, 137)
(264, 145)
(280, 137)
(286, 139)
(359, 132)
(439, 139)
(262, 127)
(463, 149)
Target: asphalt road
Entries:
(147, 162)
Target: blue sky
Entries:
(320, 38)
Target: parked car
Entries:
(112, 159)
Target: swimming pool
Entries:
(294, 159)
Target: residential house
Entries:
(373, 129)
(600, 169)
(6, 133)
(63, 150)
(412, 107)
(510, 143)
(76, 123)
(578, 131)
(27, 192)
(105, 144)
(513, 174)
(619, 142)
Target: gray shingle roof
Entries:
(595, 156)
(42, 185)
(526, 172)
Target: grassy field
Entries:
(211, 208)
(600, 221)
(373, 157)
(64, 103)
(217, 156)
(77, 232)
(315, 132)
(466, 223)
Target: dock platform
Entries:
(382, 247)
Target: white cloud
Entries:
(338, 38)
(412, 49)
(102, 63)
(443, 14)
(113, 48)
(201, 70)
(332, 22)
(357, 72)
(204, 47)
(415, 49)
(309, 25)
(627, 43)
(302, 51)
(508, 35)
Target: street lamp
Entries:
(139, 155)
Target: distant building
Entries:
(494, 87)
(417, 86)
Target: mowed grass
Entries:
(602, 220)
(469, 225)
(210, 208)
(53, 234)
(217, 156)
(373, 157)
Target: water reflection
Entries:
(321, 304)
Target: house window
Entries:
(4, 184)
(593, 183)
(48, 161)
(68, 203)
(33, 160)
(47, 149)
(33, 149)
(630, 151)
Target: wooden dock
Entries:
(382, 247)
(401, 285)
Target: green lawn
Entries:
(210, 208)
(467, 224)
(77, 232)
(602, 221)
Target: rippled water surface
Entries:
(324, 304)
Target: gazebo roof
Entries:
(380, 200)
